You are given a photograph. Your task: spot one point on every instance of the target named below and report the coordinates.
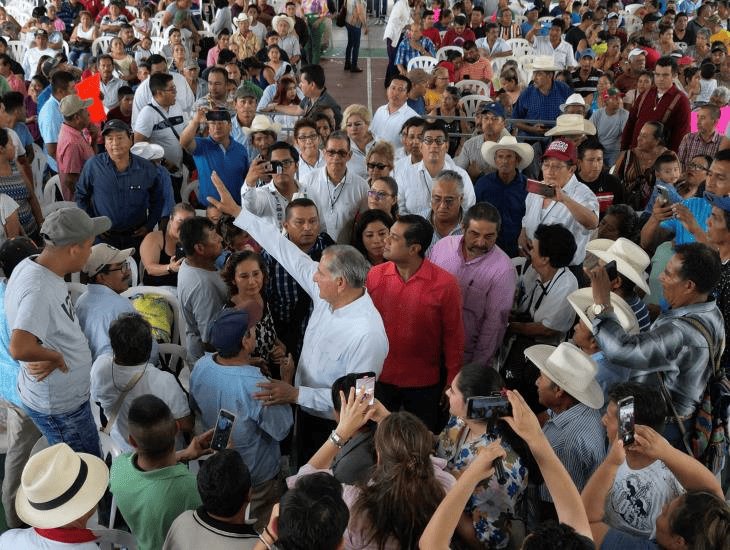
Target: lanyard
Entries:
(545, 291)
(279, 207)
(334, 197)
(425, 183)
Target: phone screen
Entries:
(179, 251)
(366, 384)
(539, 188)
(223, 429)
(487, 407)
(626, 420)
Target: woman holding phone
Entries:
(158, 252)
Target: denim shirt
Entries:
(671, 346)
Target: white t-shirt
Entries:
(38, 301)
(153, 125)
(7, 207)
(184, 98)
(108, 380)
(386, 126)
(548, 304)
(637, 497)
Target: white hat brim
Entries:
(97, 480)
(623, 267)
(582, 299)
(523, 150)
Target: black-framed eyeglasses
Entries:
(342, 153)
(378, 165)
(378, 195)
(431, 141)
(698, 167)
(123, 267)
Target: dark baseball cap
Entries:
(229, 328)
(116, 125)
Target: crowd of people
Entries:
(438, 324)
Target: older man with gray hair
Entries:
(345, 333)
(447, 197)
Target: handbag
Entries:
(341, 18)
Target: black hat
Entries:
(116, 125)
(218, 114)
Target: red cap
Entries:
(562, 150)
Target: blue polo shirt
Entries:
(231, 165)
(534, 105)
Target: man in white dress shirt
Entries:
(338, 194)
(143, 96)
(345, 333)
(553, 44)
(270, 201)
(416, 183)
(389, 118)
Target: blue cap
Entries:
(228, 330)
(588, 52)
(493, 107)
(716, 200)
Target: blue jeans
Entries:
(353, 44)
(77, 429)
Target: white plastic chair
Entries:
(473, 87)
(520, 46)
(187, 188)
(49, 191)
(178, 323)
(498, 63)
(134, 272)
(682, 46)
(134, 11)
(52, 207)
(425, 62)
(632, 23)
(441, 53)
(101, 45)
(16, 50)
(174, 356)
(110, 539)
(470, 103)
(75, 290)
(158, 42)
(546, 19)
(37, 168)
(519, 19)
(633, 8)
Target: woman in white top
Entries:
(306, 140)
(356, 122)
(81, 40)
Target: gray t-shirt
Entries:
(202, 295)
(608, 131)
(37, 301)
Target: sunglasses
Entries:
(337, 153)
(378, 165)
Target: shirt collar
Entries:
(561, 420)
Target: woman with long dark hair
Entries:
(371, 230)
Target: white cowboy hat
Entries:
(573, 99)
(582, 302)
(147, 150)
(278, 18)
(631, 259)
(544, 63)
(59, 486)
(262, 123)
(524, 151)
(571, 369)
(572, 125)
(241, 17)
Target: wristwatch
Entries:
(599, 308)
(337, 440)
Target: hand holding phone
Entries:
(540, 188)
(626, 420)
(611, 270)
(366, 385)
(223, 429)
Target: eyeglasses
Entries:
(284, 162)
(698, 168)
(378, 195)
(308, 137)
(553, 165)
(378, 165)
(431, 141)
(123, 268)
(354, 124)
(173, 89)
(342, 153)
(448, 201)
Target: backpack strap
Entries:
(715, 354)
(666, 116)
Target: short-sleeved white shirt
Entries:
(556, 212)
(548, 304)
(153, 125)
(387, 126)
(563, 54)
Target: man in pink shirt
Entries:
(486, 277)
(474, 66)
(74, 149)
(420, 304)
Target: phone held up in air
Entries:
(626, 420)
(540, 188)
(489, 407)
(223, 429)
(611, 270)
(366, 385)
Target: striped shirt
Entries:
(534, 105)
(587, 86)
(700, 209)
(578, 438)
(693, 145)
(639, 308)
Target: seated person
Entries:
(124, 374)
(159, 249)
(224, 485)
(150, 486)
(638, 479)
(56, 502)
(226, 380)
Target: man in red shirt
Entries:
(429, 31)
(663, 102)
(420, 304)
(474, 66)
(459, 33)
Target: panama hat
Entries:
(582, 302)
(262, 123)
(59, 486)
(631, 259)
(572, 125)
(524, 151)
(571, 369)
(147, 150)
(544, 63)
(279, 18)
(573, 99)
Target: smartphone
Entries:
(276, 167)
(611, 270)
(223, 429)
(664, 195)
(366, 384)
(179, 251)
(626, 420)
(488, 407)
(539, 188)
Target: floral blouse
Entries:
(492, 506)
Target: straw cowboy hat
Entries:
(59, 485)
(241, 17)
(262, 123)
(523, 151)
(278, 18)
(544, 63)
(572, 125)
(573, 99)
(582, 302)
(571, 369)
(631, 260)
(147, 150)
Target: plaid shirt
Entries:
(534, 105)
(405, 52)
(693, 145)
(283, 293)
